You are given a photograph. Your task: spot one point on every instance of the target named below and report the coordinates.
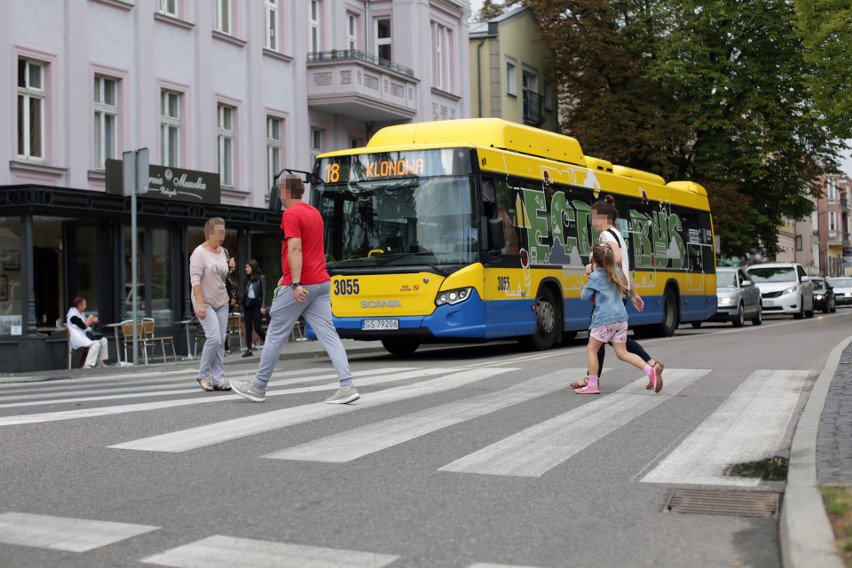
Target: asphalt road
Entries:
(453, 457)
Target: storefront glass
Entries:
(10, 276)
(84, 271)
(48, 270)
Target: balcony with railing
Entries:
(533, 105)
(360, 85)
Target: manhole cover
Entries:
(723, 502)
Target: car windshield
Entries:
(726, 279)
(414, 221)
(819, 284)
(773, 274)
(840, 282)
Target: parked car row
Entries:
(775, 288)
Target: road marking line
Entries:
(211, 434)
(750, 425)
(162, 404)
(62, 533)
(184, 390)
(534, 451)
(226, 551)
(490, 565)
(353, 444)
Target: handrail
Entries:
(355, 54)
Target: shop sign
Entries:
(170, 184)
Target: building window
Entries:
(225, 135)
(314, 24)
(799, 242)
(273, 147)
(316, 141)
(31, 103)
(106, 120)
(223, 16)
(271, 14)
(511, 77)
(169, 7)
(442, 68)
(170, 128)
(354, 143)
(352, 31)
(832, 188)
(383, 39)
(832, 221)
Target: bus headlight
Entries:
(452, 297)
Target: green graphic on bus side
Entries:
(657, 239)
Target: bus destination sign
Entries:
(394, 165)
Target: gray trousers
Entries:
(215, 325)
(284, 314)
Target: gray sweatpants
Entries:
(215, 325)
(284, 314)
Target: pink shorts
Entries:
(612, 333)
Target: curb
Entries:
(807, 539)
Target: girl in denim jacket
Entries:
(606, 287)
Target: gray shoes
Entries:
(344, 396)
(246, 389)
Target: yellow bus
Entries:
(479, 229)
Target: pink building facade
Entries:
(234, 89)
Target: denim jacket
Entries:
(609, 307)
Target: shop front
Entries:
(59, 243)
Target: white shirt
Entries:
(78, 336)
(607, 237)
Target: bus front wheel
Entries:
(400, 346)
(546, 322)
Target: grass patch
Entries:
(838, 505)
(770, 469)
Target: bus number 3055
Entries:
(346, 287)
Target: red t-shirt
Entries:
(301, 221)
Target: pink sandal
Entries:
(655, 382)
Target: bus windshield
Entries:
(412, 221)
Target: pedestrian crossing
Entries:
(749, 425)
(216, 551)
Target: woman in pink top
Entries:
(208, 268)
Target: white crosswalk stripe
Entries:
(360, 442)
(62, 533)
(226, 551)
(748, 426)
(536, 450)
(148, 391)
(208, 435)
(159, 405)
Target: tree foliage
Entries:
(715, 91)
(490, 9)
(826, 32)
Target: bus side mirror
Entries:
(492, 230)
(274, 199)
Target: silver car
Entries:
(737, 298)
(785, 288)
(842, 289)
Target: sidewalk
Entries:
(821, 453)
(293, 350)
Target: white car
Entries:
(785, 288)
(842, 289)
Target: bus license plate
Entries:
(380, 324)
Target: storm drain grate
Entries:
(723, 502)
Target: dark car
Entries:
(824, 296)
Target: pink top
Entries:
(209, 269)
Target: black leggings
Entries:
(253, 318)
(632, 347)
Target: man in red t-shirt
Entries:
(303, 267)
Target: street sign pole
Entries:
(135, 181)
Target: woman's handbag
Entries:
(234, 294)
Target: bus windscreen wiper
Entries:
(388, 257)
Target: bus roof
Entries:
(499, 134)
(486, 133)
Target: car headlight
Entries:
(726, 301)
(792, 290)
(818, 297)
(452, 297)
